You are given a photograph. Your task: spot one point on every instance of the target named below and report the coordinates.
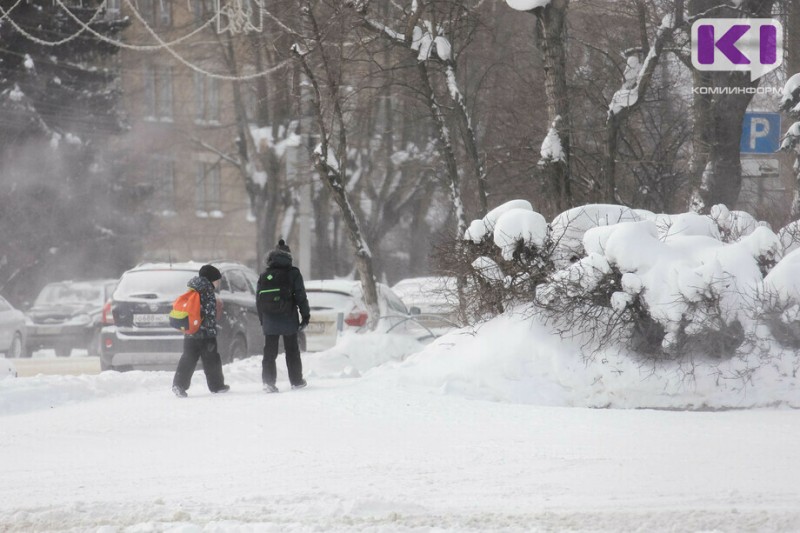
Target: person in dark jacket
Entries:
(280, 295)
(203, 344)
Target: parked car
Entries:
(141, 337)
(13, 334)
(68, 315)
(338, 305)
(436, 297)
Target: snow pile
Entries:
(7, 369)
(517, 360)
(355, 354)
(568, 228)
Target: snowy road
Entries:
(119, 451)
(63, 366)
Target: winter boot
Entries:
(270, 388)
(300, 384)
(224, 388)
(179, 392)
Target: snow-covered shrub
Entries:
(781, 300)
(500, 259)
(664, 286)
(568, 228)
(790, 237)
(733, 225)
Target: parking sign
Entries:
(761, 133)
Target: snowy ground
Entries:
(471, 434)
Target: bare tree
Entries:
(638, 77)
(330, 158)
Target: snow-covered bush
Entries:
(661, 285)
(500, 259)
(781, 300)
(568, 228)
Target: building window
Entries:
(207, 190)
(158, 92)
(163, 173)
(156, 12)
(112, 9)
(206, 98)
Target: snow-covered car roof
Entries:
(184, 265)
(439, 291)
(335, 285)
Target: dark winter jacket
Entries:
(208, 307)
(283, 324)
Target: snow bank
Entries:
(516, 359)
(7, 369)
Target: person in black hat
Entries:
(203, 344)
(280, 296)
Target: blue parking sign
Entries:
(761, 133)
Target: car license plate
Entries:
(315, 327)
(151, 320)
(48, 330)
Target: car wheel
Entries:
(237, 349)
(17, 350)
(63, 351)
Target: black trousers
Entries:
(293, 363)
(193, 350)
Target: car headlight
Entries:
(80, 320)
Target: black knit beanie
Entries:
(210, 272)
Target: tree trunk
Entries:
(470, 139)
(552, 40)
(444, 141)
(716, 164)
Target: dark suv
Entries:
(141, 337)
(67, 315)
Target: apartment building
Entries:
(182, 127)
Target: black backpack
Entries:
(275, 297)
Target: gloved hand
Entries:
(304, 324)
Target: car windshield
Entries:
(323, 300)
(154, 284)
(70, 293)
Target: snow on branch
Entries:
(527, 5)
(552, 151)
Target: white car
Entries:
(338, 305)
(13, 332)
(436, 297)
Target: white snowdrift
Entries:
(514, 359)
